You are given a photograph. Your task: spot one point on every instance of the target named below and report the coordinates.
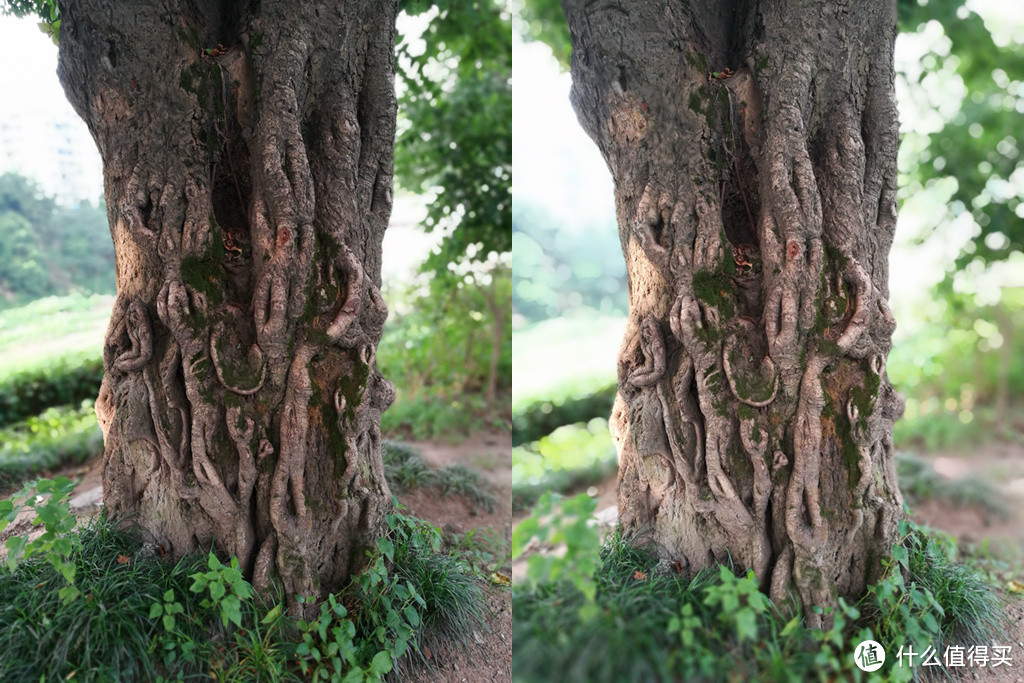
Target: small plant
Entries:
(328, 648)
(486, 552)
(226, 586)
(405, 469)
(738, 601)
(553, 524)
(925, 596)
(49, 499)
(166, 609)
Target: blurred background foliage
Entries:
(957, 275)
(447, 345)
(50, 249)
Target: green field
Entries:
(568, 356)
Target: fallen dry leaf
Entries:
(123, 559)
(639, 575)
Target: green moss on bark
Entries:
(715, 287)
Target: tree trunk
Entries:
(247, 151)
(753, 148)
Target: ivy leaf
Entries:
(899, 553)
(231, 609)
(381, 663)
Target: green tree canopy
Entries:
(976, 150)
(456, 137)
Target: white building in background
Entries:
(41, 136)
(55, 151)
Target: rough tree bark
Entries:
(753, 147)
(247, 151)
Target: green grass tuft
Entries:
(919, 482)
(105, 634)
(647, 623)
(405, 470)
(424, 592)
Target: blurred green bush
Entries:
(58, 437)
(540, 418)
(961, 376)
(59, 381)
(569, 458)
(450, 356)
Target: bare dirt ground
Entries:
(980, 530)
(488, 657)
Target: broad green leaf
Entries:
(381, 663)
(272, 614)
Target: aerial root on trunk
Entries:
(650, 215)
(727, 348)
(289, 474)
(135, 323)
(270, 306)
(861, 318)
(652, 344)
(350, 267)
(254, 353)
(241, 429)
(780, 318)
(762, 478)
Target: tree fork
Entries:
(753, 148)
(247, 153)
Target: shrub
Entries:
(62, 381)
(540, 418)
(58, 437)
(133, 616)
(405, 470)
(635, 618)
(570, 458)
